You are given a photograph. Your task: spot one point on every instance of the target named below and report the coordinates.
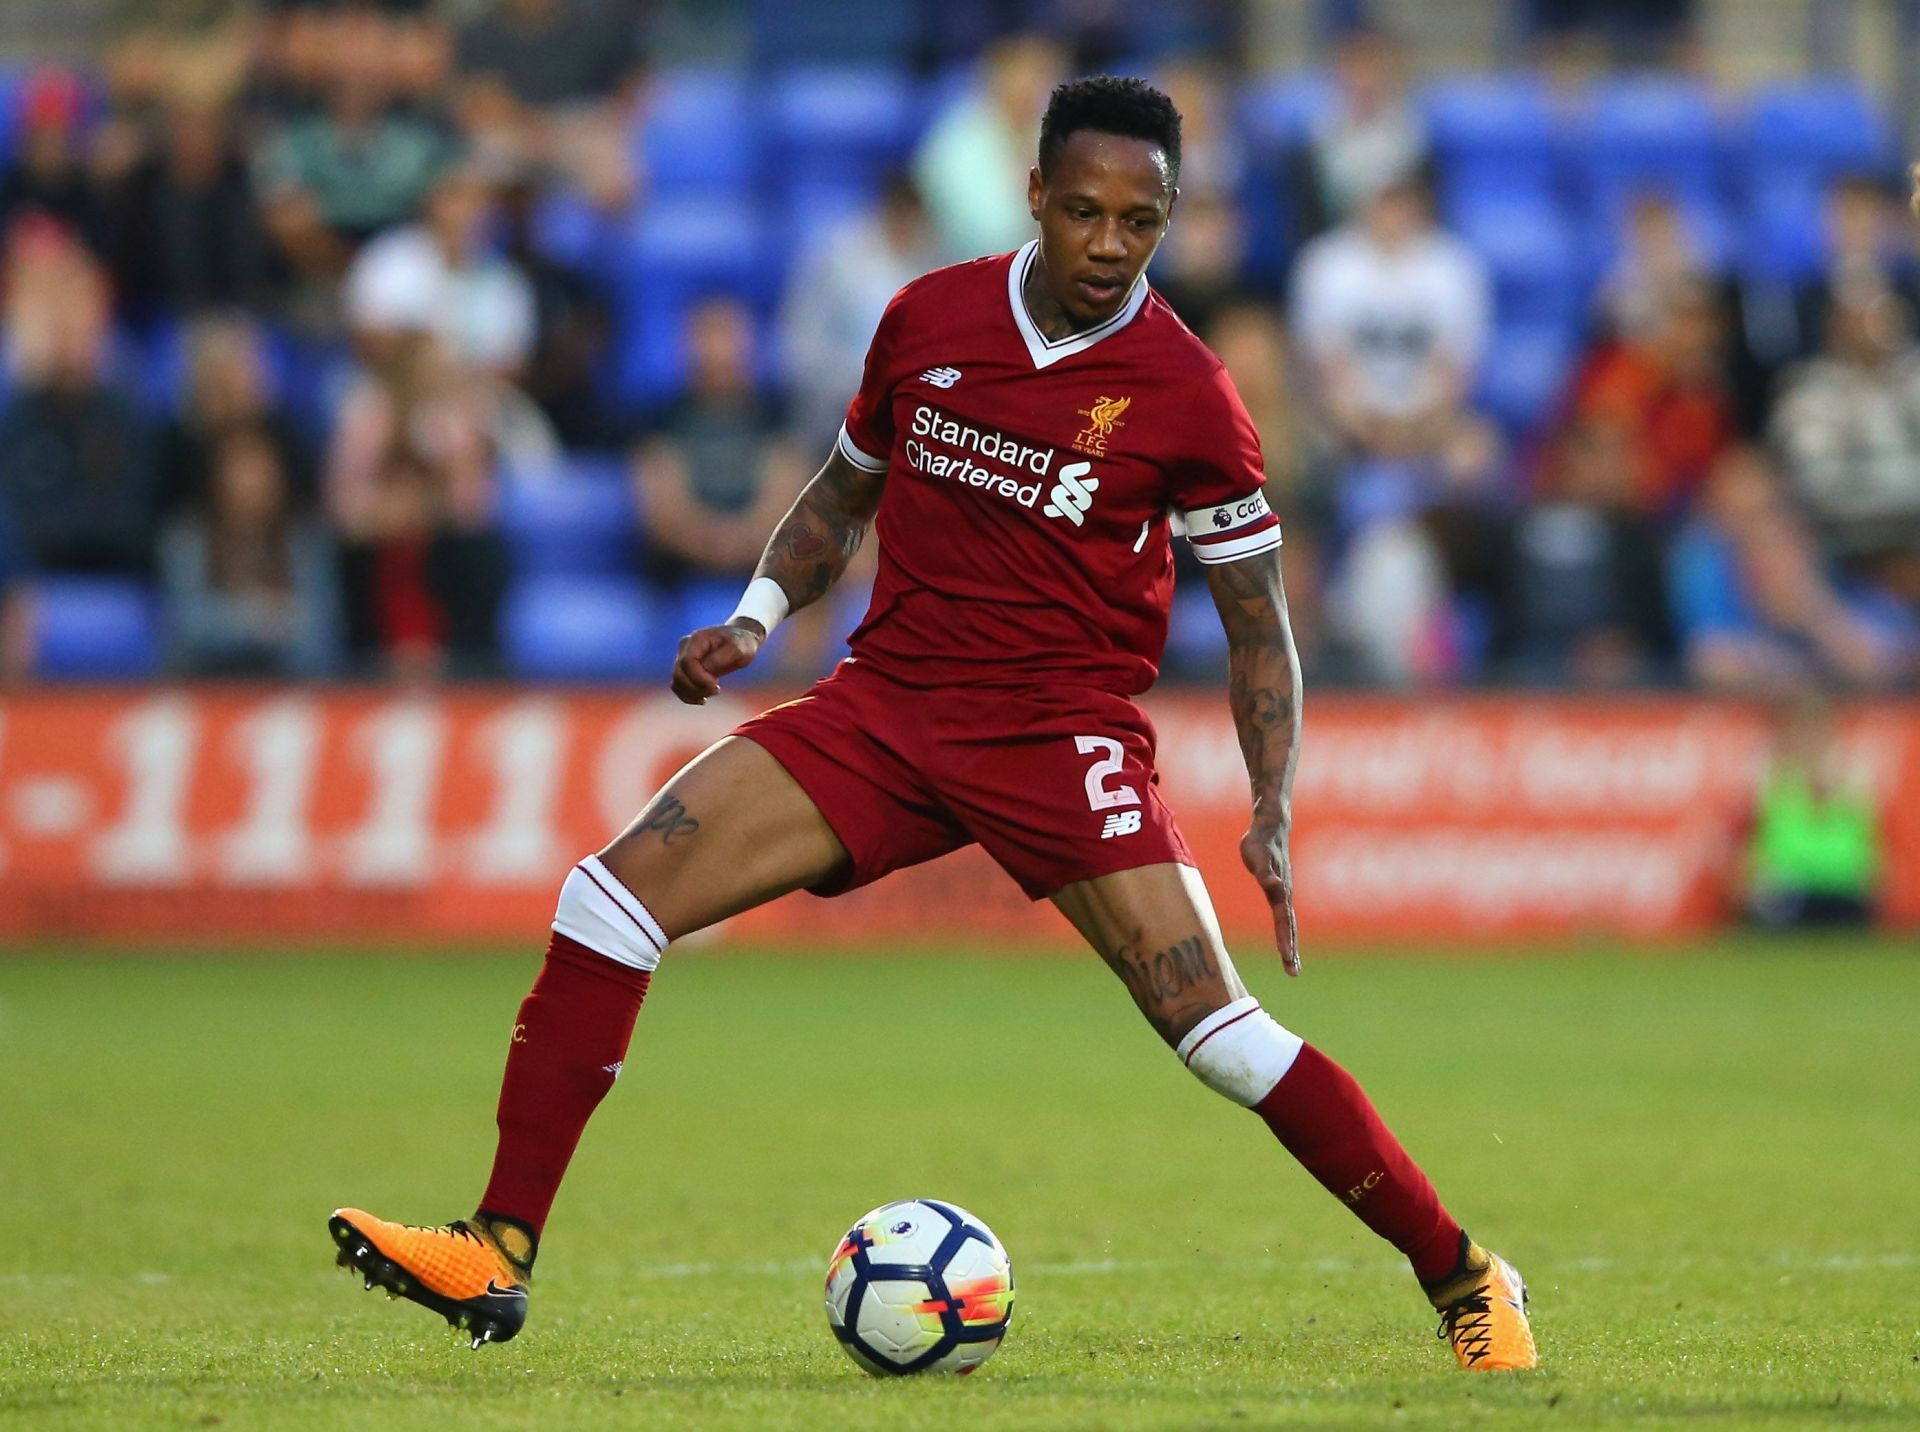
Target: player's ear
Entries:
(1036, 189)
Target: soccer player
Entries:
(1026, 428)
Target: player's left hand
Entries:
(1264, 849)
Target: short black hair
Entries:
(1110, 104)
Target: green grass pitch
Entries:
(1706, 1161)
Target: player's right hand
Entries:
(711, 653)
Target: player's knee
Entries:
(1240, 1051)
(598, 911)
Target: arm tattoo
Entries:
(821, 531)
(1263, 676)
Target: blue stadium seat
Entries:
(1818, 128)
(581, 520)
(836, 118)
(571, 230)
(1785, 234)
(1534, 252)
(698, 132)
(1279, 110)
(786, 32)
(11, 79)
(1492, 129)
(1526, 370)
(583, 628)
(1650, 132)
(701, 243)
(1196, 645)
(95, 629)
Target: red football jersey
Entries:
(1024, 529)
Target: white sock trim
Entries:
(597, 911)
(1240, 1051)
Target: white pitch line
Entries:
(1128, 1267)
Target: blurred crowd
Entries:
(304, 301)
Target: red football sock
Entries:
(567, 1049)
(1325, 1120)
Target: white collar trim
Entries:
(1045, 351)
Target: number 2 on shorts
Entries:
(1099, 797)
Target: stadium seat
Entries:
(1785, 234)
(581, 519)
(784, 32)
(1492, 129)
(583, 628)
(830, 120)
(1196, 645)
(95, 629)
(1526, 370)
(698, 132)
(1278, 110)
(1534, 252)
(1816, 129)
(1649, 132)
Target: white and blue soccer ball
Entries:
(919, 1286)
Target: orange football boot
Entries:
(460, 1270)
(1483, 1316)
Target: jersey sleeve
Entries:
(866, 437)
(1217, 486)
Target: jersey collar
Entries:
(1047, 351)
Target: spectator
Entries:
(1392, 315)
(19, 641)
(228, 390)
(1667, 390)
(76, 460)
(1580, 581)
(1658, 260)
(1755, 608)
(410, 488)
(835, 300)
(1201, 269)
(717, 474)
(1847, 427)
(1816, 848)
(160, 45)
(551, 84)
(184, 232)
(48, 173)
(573, 331)
(333, 179)
(972, 166)
(440, 276)
(250, 586)
(1248, 338)
(1369, 139)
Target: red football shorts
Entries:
(1057, 783)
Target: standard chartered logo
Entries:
(1014, 470)
(1072, 495)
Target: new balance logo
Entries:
(613, 1068)
(1121, 822)
(1071, 497)
(941, 377)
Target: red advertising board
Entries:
(367, 815)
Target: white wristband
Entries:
(764, 602)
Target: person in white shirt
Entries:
(439, 276)
(836, 297)
(1392, 315)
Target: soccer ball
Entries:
(919, 1286)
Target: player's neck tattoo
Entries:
(1049, 315)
